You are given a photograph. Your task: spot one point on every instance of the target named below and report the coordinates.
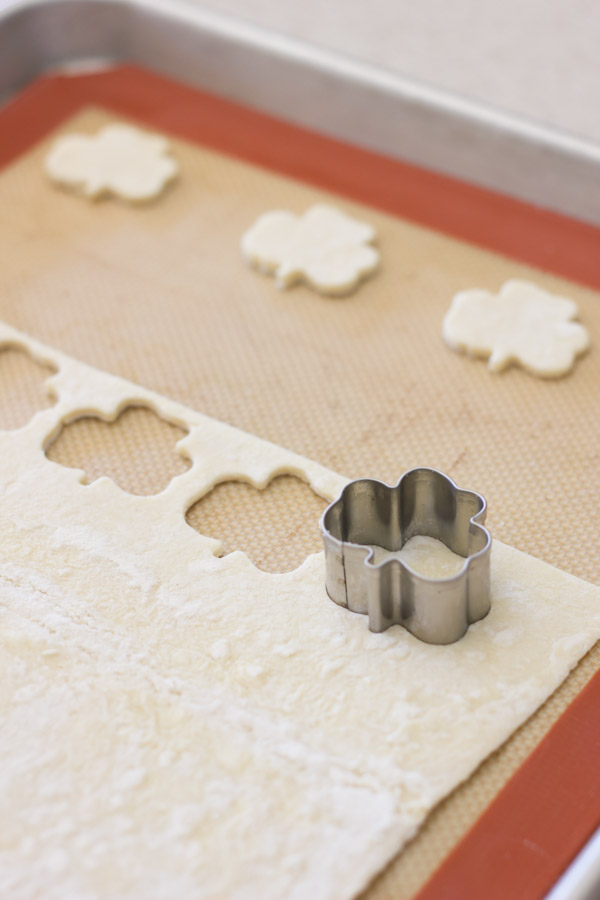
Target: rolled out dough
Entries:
(180, 725)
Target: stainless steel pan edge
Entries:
(308, 86)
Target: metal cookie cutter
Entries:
(370, 513)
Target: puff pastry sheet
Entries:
(176, 724)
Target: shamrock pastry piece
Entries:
(119, 159)
(323, 247)
(523, 324)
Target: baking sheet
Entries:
(364, 385)
(308, 85)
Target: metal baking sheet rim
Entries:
(325, 92)
(308, 86)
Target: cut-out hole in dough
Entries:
(277, 527)
(22, 387)
(137, 450)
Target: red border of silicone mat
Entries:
(550, 807)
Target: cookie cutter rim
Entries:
(435, 610)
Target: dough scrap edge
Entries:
(217, 451)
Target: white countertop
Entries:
(538, 58)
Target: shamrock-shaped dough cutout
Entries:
(119, 159)
(522, 323)
(324, 247)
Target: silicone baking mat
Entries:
(160, 295)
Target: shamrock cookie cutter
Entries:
(371, 513)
